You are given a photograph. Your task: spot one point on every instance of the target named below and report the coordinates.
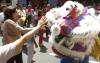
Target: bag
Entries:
(96, 49)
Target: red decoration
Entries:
(72, 14)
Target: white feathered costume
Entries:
(83, 32)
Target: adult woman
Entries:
(12, 49)
(12, 31)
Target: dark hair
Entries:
(8, 13)
(40, 13)
(19, 6)
(1, 9)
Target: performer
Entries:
(73, 32)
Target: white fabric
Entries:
(14, 2)
(1, 16)
(30, 52)
(6, 52)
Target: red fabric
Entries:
(72, 14)
(41, 31)
(58, 53)
(39, 17)
(97, 7)
(47, 8)
(63, 30)
(29, 10)
(41, 36)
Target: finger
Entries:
(44, 23)
(43, 18)
(43, 27)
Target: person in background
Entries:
(40, 33)
(35, 17)
(30, 47)
(21, 11)
(30, 50)
(29, 13)
(2, 8)
(48, 7)
(9, 50)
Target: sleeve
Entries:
(14, 25)
(13, 28)
(7, 51)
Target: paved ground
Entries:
(48, 57)
(41, 57)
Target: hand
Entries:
(42, 22)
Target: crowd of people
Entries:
(19, 26)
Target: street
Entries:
(48, 57)
(41, 57)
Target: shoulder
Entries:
(9, 21)
(10, 24)
(7, 51)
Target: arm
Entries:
(24, 39)
(11, 49)
(25, 30)
(7, 51)
(28, 35)
(16, 46)
(13, 27)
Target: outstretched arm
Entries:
(29, 35)
(15, 47)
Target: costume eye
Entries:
(71, 6)
(67, 8)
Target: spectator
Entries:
(47, 8)
(1, 17)
(12, 31)
(12, 49)
(29, 13)
(30, 48)
(22, 14)
(41, 32)
(35, 18)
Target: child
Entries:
(30, 50)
